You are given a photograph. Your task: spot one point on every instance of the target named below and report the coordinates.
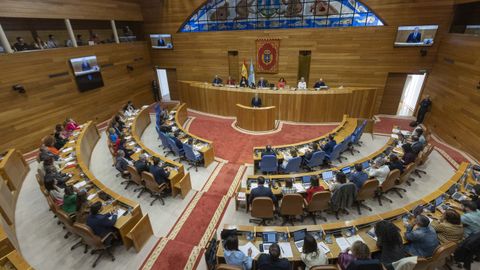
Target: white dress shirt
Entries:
(302, 85)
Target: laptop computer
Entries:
(439, 201)
(268, 239)
(327, 176)
(298, 237)
(366, 165)
(346, 170)
(306, 181)
(457, 196)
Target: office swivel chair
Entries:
(153, 187)
(262, 210)
(389, 185)
(292, 206)
(317, 160)
(293, 165)
(367, 191)
(193, 159)
(102, 246)
(320, 202)
(137, 179)
(269, 164)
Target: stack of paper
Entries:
(91, 196)
(354, 238)
(80, 184)
(342, 243)
(323, 247)
(68, 149)
(247, 246)
(241, 196)
(286, 249)
(299, 187)
(121, 211)
(131, 143)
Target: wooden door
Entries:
(304, 58)
(392, 93)
(233, 66)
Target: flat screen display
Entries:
(87, 73)
(412, 36)
(161, 41)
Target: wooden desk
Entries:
(180, 115)
(179, 180)
(83, 147)
(362, 224)
(344, 129)
(297, 106)
(255, 119)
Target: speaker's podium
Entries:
(256, 119)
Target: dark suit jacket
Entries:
(414, 37)
(141, 166)
(408, 158)
(328, 148)
(121, 164)
(265, 263)
(217, 81)
(160, 174)
(100, 224)
(256, 102)
(318, 84)
(396, 165)
(263, 83)
(417, 147)
(178, 143)
(266, 152)
(261, 191)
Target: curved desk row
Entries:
(13, 170)
(179, 180)
(342, 131)
(361, 225)
(203, 146)
(297, 106)
(134, 228)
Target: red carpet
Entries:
(237, 147)
(174, 256)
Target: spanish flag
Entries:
(244, 70)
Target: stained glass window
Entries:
(227, 15)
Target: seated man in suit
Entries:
(328, 147)
(272, 260)
(159, 173)
(415, 36)
(141, 164)
(262, 83)
(101, 224)
(359, 177)
(256, 101)
(261, 191)
(175, 136)
(309, 153)
(217, 81)
(121, 163)
(243, 82)
(319, 83)
(268, 151)
(417, 146)
(395, 163)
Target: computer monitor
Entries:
(328, 175)
(269, 237)
(299, 235)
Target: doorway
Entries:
(163, 84)
(411, 93)
(304, 59)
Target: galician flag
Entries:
(251, 76)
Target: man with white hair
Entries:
(379, 170)
(141, 164)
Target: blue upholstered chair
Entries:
(293, 165)
(177, 151)
(193, 159)
(316, 160)
(269, 164)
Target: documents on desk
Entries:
(342, 243)
(249, 245)
(285, 248)
(91, 196)
(299, 187)
(323, 247)
(241, 196)
(80, 184)
(68, 149)
(121, 212)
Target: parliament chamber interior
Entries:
(240, 134)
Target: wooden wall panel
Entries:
(360, 56)
(392, 93)
(128, 10)
(454, 88)
(25, 118)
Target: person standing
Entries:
(424, 107)
(256, 101)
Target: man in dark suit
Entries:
(272, 260)
(178, 143)
(100, 224)
(262, 83)
(417, 146)
(261, 191)
(217, 80)
(415, 36)
(141, 164)
(256, 101)
(328, 147)
(319, 83)
(359, 177)
(121, 163)
(309, 153)
(159, 173)
(268, 151)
